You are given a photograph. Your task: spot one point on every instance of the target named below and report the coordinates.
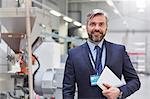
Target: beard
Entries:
(96, 36)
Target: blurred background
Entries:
(55, 27)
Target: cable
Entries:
(12, 96)
(35, 70)
(25, 91)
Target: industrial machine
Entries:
(47, 78)
(46, 57)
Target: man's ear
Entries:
(106, 28)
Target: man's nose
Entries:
(97, 27)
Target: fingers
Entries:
(106, 92)
(107, 85)
(111, 92)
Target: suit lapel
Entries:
(85, 52)
(108, 53)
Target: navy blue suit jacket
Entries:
(78, 69)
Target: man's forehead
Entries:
(95, 12)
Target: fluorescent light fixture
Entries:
(116, 11)
(110, 3)
(93, 0)
(55, 13)
(140, 3)
(67, 19)
(139, 49)
(77, 23)
(80, 29)
(141, 61)
(141, 10)
(83, 26)
(10, 36)
(22, 36)
(42, 25)
(66, 23)
(139, 43)
(141, 69)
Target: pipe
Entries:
(28, 32)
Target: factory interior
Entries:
(36, 35)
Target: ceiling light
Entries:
(140, 4)
(83, 26)
(139, 43)
(55, 13)
(67, 19)
(110, 3)
(10, 36)
(141, 10)
(42, 25)
(139, 49)
(77, 23)
(116, 11)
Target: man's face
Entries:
(96, 28)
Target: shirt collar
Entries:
(92, 45)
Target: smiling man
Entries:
(85, 64)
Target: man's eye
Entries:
(92, 24)
(102, 24)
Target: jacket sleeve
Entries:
(130, 76)
(69, 80)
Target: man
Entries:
(81, 65)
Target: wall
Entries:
(8, 3)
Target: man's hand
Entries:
(111, 92)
